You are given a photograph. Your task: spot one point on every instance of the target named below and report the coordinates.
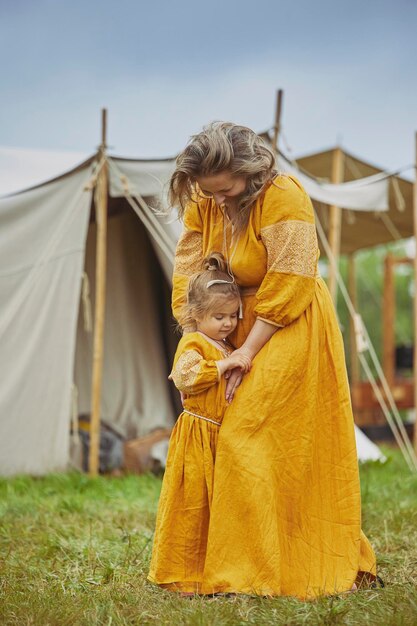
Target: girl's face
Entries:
(223, 187)
(220, 321)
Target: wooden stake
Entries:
(388, 321)
(101, 196)
(415, 293)
(277, 123)
(335, 224)
(354, 362)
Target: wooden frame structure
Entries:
(365, 404)
(404, 391)
(101, 202)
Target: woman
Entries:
(285, 514)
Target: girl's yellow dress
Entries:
(180, 542)
(285, 517)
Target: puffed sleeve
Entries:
(192, 373)
(188, 256)
(288, 233)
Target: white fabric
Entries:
(21, 168)
(135, 393)
(149, 180)
(42, 238)
(366, 449)
(364, 194)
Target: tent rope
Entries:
(146, 216)
(398, 196)
(390, 226)
(365, 343)
(87, 311)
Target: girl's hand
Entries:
(238, 359)
(235, 360)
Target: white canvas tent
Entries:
(46, 240)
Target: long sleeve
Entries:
(192, 373)
(289, 235)
(188, 257)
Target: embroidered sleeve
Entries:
(192, 373)
(188, 257)
(289, 235)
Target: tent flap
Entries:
(42, 243)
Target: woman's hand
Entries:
(235, 377)
(259, 335)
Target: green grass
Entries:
(75, 551)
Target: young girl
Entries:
(202, 357)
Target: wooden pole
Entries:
(388, 321)
(353, 293)
(335, 224)
(101, 196)
(415, 293)
(277, 123)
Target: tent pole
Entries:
(415, 292)
(335, 224)
(277, 123)
(100, 300)
(353, 293)
(388, 321)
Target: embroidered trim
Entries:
(206, 419)
(187, 369)
(189, 253)
(291, 247)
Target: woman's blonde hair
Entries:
(203, 296)
(223, 147)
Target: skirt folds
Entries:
(286, 510)
(180, 541)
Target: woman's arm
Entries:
(260, 333)
(188, 258)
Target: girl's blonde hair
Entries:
(223, 147)
(203, 297)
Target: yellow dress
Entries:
(285, 517)
(180, 542)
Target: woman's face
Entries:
(224, 187)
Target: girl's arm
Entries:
(237, 360)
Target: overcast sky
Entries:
(164, 68)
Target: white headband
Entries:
(219, 281)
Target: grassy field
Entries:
(75, 550)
